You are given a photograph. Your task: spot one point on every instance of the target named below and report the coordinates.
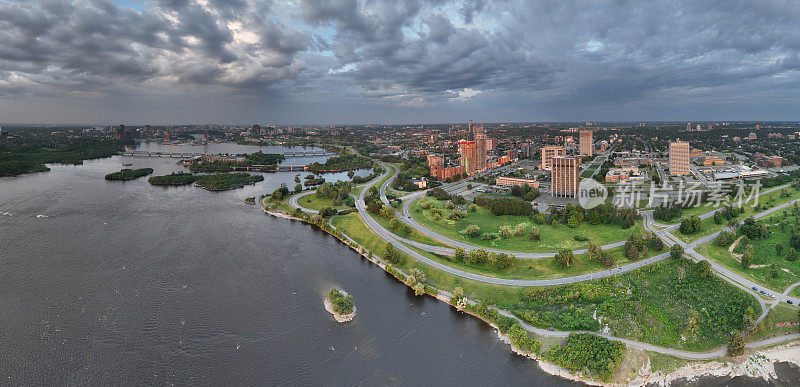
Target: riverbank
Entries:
(642, 376)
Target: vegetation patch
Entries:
(129, 174)
(589, 354)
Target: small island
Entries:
(226, 181)
(181, 178)
(129, 174)
(215, 182)
(340, 305)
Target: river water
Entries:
(126, 283)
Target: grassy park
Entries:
(315, 202)
(552, 238)
(769, 268)
(670, 303)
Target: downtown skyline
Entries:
(351, 62)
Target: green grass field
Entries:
(315, 202)
(786, 273)
(771, 199)
(653, 304)
(782, 313)
(553, 239)
(765, 202)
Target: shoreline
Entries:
(691, 371)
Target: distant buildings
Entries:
(548, 152)
(624, 174)
(469, 156)
(586, 145)
(566, 177)
(679, 158)
(480, 148)
(506, 181)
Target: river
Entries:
(125, 283)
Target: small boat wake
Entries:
(42, 216)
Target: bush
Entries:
(473, 231)
(520, 230)
(488, 236)
(564, 258)
(505, 231)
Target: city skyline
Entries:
(351, 62)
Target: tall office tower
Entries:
(758, 127)
(710, 126)
(565, 179)
(548, 152)
(480, 148)
(119, 134)
(468, 152)
(469, 128)
(679, 158)
(689, 126)
(699, 128)
(587, 146)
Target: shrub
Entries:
(488, 236)
(472, 231)
(564, 258)
(520, 230)
(505, 231)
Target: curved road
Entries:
(395, 240)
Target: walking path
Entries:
(726, 274)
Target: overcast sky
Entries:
(372, 61)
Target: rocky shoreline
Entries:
(339, 317)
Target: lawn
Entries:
(545, 268)
(786, 273)
(553, 239)
(652, 304)
(315, 202)
(765, 202)
(771, 325)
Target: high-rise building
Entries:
(679, 158)
(758, 127)
(586, 146)
(565, 177)
(469, 159)
(548, 152)
(480, 148)
(689, 126)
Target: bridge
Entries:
(190, 155)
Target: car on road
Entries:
(755, 288)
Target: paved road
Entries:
(723, 271)
(293, 202)
(405, 216)
(646, 346)
(396, 241)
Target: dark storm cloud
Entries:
(592, 55)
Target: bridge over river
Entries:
(191, 155)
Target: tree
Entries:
(791, 254)
(690, 225)
(573, 221)
(387, 212)
(564, 258)
(473, 231)
(676, 251)
(747, 257)
(606, 259)
(736, 344)
(477, 256)
(724, 238)
(460, 255)
(748, 320)
(394, 223)
(503, 261)
(535, 234)
(298, 187)
(778, 248)
(704, 268)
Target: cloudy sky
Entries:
(401, 61)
